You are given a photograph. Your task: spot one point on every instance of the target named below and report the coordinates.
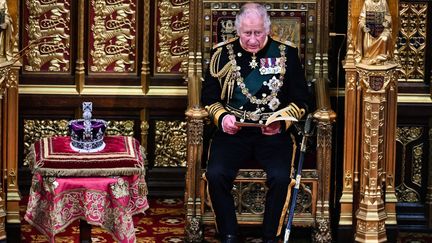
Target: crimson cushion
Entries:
(53, 156)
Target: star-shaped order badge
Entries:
(253, 64)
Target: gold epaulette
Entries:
(285, 42)
(224, 42)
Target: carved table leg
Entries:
(85, 232)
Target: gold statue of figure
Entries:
(374, 33)
(6, 30)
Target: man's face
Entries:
(252, 33)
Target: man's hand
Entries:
(272, 129)
(228, 125)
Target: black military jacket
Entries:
(235, 84)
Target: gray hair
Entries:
(256, 9)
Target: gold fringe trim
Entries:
(120, 171)
(31, 157)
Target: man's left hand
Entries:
(272, 129)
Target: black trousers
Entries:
(228, 153)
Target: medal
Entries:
(253, 64)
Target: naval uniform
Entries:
(252, 87)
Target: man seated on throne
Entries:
(374, 35)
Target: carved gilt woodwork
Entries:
(371, 215)
(172, 38)
(370, 118)
(410, 176)
(170, 144)
(112, 38)
(50, 20)
(411, 43)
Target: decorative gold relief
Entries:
(12, 81)
(411, 43)
(195, 131)
(405, 191)
(116, 128)
(348, 179)
(417, 155)
(249, 197)
(50, 21)
(322, 230)
(112, 36)
(252, 197)
(170, 142)
(37, 129)
(172, 40)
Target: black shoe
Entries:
(229, 239)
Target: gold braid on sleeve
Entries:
(226, 72)
(215, 110)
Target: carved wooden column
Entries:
(350, 141)
(371, 215)
(145, 64)
(195, 126)
(350, 128)
(325, 118)
(10, 148)
(390, 151)
(4, 70)
(80, 68)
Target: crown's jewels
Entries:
(87, 134)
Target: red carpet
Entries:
(162, 223)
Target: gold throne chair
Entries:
(292, 22)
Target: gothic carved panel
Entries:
(170, 142)
(411, 158)
(112, 36)
(411, 42)
(47, 22)
(292, 22)
(171, 37)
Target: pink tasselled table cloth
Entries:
(105, 188)
(109, 202)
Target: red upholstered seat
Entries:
(53, 156)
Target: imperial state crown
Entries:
(87, 134)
